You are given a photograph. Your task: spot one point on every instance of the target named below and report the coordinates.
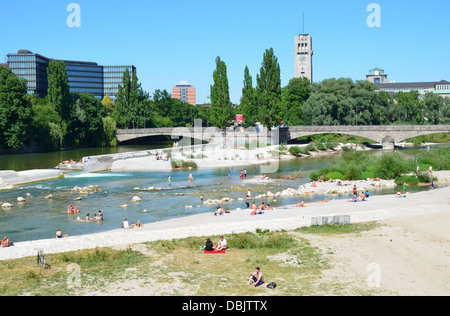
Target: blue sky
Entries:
(173, 40)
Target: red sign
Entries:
(239, 118)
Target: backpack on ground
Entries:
(271, 285)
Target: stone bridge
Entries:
(387, 134)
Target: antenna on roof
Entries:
(303, 22)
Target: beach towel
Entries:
(222, 251)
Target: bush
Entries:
(408, 179)
(334, 175)
(297, 151)
(391, 166)
(438, 158)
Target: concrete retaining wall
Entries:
(10, 178)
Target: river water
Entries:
(39, 218)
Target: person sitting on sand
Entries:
(219, 211)
(139, 225)
(125, 224)
(254, 207)
(209, 246)
(262, 207)
(58, 233)
(5, 242)
(133, 225)
(257, 278)
(302, 204)
(361, 197)
(222, 244)
(314, 184)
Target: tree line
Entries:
(333, 101)
(70, 120)
(67, 120)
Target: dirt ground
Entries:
(407, 257)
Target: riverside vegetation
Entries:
(356, 165)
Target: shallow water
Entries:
(39, 217)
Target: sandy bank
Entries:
(378, 208)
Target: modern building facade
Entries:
(303, 57)
(185, 92)
(112, 78)
(88, 77)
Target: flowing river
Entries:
(39, 218)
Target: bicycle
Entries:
(40, 259)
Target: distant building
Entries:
(441, 88)
(185, 92)
(303, 57)
(377, 75)
(379, 78)
(88, 77)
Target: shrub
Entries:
(391, 166)
(297, 151)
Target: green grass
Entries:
(286, 257)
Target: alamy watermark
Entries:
(374, 18)
(74, 18)
(249, 146)
(374, 275)
(74, 278)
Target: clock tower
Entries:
(303, 56)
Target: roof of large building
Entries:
(412, 85)
(376, 71)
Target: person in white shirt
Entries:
(222, 244)
(125, 224)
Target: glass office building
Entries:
(88, 77)
(112, 78)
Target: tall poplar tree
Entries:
(268, 90)
(58, 89)
(248, 105)
(221, 109)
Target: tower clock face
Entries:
(302, 59)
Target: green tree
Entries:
(248, 106)
(293, 96)
(58, 89)
(15, 110)
(221, 111)
(108, 104)
(49, 130)
(268, 90)
(122, 113)
(86, 125)
(432, 108)
(411, 106)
